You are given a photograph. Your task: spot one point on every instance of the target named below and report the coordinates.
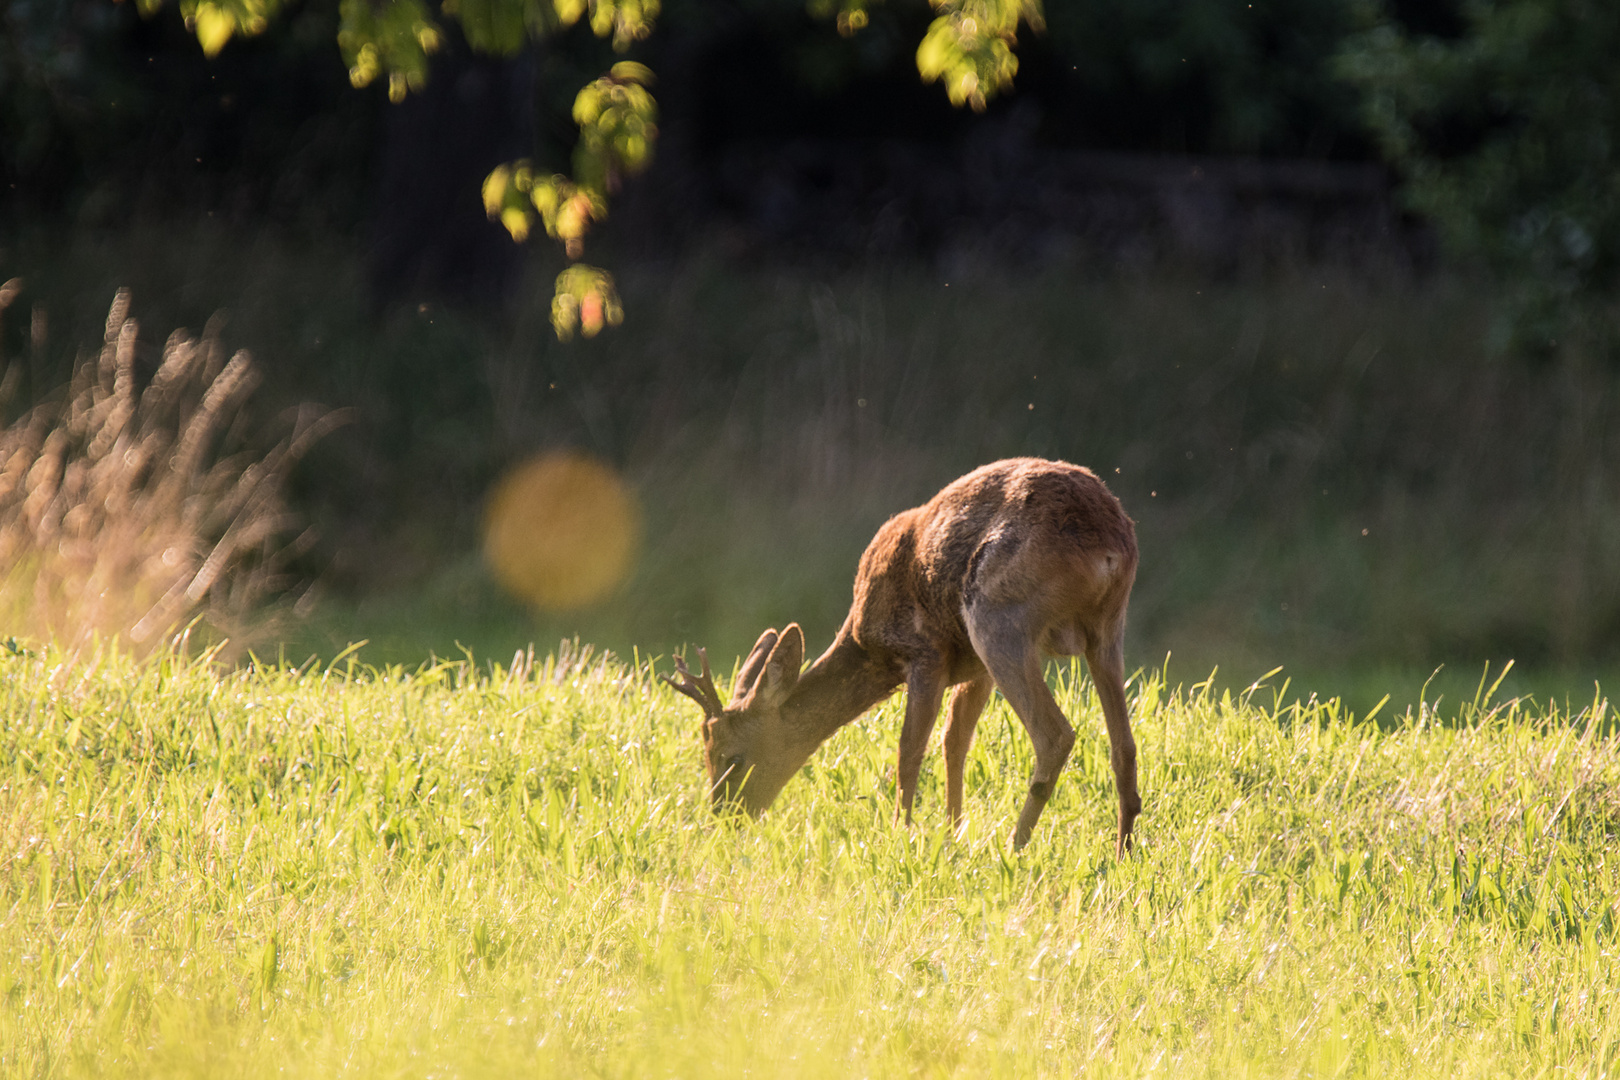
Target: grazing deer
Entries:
(1016, 559)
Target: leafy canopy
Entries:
(968, 47)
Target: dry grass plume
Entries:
(126, 510)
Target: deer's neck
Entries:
(837, 688)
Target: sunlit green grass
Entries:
(465, 871)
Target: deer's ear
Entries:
(782, 668)
(749, 674)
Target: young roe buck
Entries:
(1016, 559)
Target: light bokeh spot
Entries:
(561, 530)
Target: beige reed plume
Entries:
(125, 511)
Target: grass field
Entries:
(467, 871)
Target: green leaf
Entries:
(269, 964)
(394, 38)
(969, 47)
(214, 28)
(586, 300)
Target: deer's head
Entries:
(747, 749)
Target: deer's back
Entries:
(1024, 531)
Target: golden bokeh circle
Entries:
(561, 530)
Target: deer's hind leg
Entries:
(1106, 659)
(1004, 644)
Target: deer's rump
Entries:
(1023, 536)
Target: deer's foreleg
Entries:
(925, 687)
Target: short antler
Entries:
(699, 688)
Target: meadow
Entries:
(225, 857)
(461, 870)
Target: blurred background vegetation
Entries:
(1324, 289)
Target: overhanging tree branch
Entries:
(968, 47)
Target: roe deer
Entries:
(1016, 559)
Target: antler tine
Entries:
(699, 688)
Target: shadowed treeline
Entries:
(1328, 471)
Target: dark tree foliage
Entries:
(105, 115)
(1504, 118)
(1214, 76)
(1201, 77)
(63, 90)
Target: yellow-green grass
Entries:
(470, 871)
